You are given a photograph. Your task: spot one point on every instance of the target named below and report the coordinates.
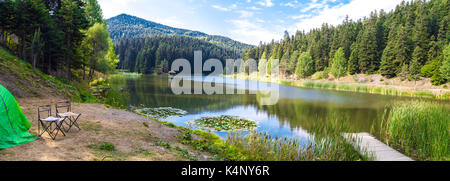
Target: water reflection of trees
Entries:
(154, 91)
(305, 114)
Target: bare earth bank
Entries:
(135, 137)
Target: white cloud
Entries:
(245, 14)
(315, 5)
(221, 8)
(292, 4)
(253, 33)
(266, 3)
(254, 8)
(356, 9)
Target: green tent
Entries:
(13, 123)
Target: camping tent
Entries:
(13, 123)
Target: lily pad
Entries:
(225, 123)
(161, 112)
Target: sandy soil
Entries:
(132, 139)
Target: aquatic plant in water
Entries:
(161, 112)
(225, 123)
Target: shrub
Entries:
(305, 65)
(429, 69)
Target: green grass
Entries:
(419, 129)
(371, 89)
(103, 146)
(180, 151)
(30, 79)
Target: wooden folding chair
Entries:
(49, 124)
(64, 109)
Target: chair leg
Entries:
(50, 130)
(73, 122)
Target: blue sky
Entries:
(249, 21)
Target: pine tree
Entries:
(353, 60)
(445, 68)
(36, 46)
(305, 65)
(293, 62)
(368, 46)
(417, 59)
(339, 64)
(262, 65)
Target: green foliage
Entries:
(445, 68)
(100, 49)
(353, 61)
(94, 12)
(152, 54)
(163, 144)
(293, 62)
(339, 64)
(397, 43)
(320, 75)
(437, 78)
(419, 130)
(305, 65)
(429, 69)
(103, 146)
(262, 66)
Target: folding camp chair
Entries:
(51, 125)
(64, 109)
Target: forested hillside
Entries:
(60, 37)
(155, 54)
(126, 26)
(408, 42)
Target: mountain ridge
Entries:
(125, 26)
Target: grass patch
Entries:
(419, 129)
(163, 144)
(180, 151)
(103, 146)
(90, 126)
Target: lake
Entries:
(296, 111)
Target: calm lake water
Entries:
(297, 110)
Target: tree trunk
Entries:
(34, 60)
(84, 71)
(68, 60)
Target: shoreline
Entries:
(392, 90)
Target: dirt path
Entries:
(134, 137)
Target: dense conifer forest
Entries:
(155, 54)
(58, 36)
(409, 42)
